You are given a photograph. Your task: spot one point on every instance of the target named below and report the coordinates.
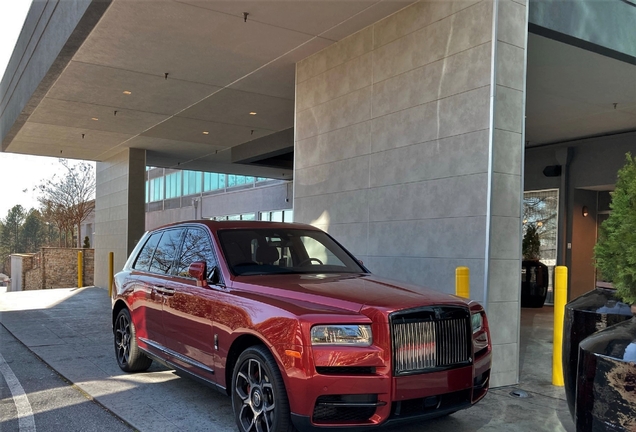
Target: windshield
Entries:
(278, 251)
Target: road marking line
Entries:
(26, 422)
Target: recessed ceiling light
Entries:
(95, 118)
(206, 133)
(252, 113)
(127, 92)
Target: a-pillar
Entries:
(119, 209)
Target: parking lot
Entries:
(70, 330)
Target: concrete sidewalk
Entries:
(70, 330)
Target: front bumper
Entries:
(345, 402)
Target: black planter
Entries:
(585, 315)
(606, 384)
(534, 283)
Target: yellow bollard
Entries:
(462, 282)
(560, 299)
(80, 268)
(111, 277)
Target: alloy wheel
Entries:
(255, 391)
(122, 339)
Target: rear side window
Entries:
(164, 257)
(196, 247)
(145, 256)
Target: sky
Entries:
(19, 174)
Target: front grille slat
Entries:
(423, 342)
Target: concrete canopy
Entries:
(63, 92)
(178, 79)
(576, 93)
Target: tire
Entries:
(259, 398)
(129, 356)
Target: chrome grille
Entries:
(423, 345)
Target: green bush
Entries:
(87, 243)
(615, 252)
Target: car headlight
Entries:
(335, 334)
(477, 322)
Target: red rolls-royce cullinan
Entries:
(295, 329)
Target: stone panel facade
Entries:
(408, 149)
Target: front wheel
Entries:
(259, 398)
(129, 357)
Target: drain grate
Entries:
(519, 393)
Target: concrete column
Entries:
(408, 149)
(119, 209)
(503, 272)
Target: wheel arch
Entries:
(117, 307)
(239, 345)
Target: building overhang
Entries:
(200, 85)
(185, 80)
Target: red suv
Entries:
(296, 330)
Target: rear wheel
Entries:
(259, 398)
(129, 356)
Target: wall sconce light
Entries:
(585, 211)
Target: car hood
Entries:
(350, 292)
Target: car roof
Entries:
(227, 224)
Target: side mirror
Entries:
(197, 271)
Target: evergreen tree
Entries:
(12, 228)
(615, 251)
(33, 232)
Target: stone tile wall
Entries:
(57, 268)
(409, 148)
(119, 209)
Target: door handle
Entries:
(163, 290)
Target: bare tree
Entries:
(69, 199)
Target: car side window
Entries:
(145, 256)
(163, 259)
(196, 247)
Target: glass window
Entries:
(191, 182)
(155, 189)
(278, 216)
(287, 250)
(173, 185)
(318, 253)
(231, 180)
(196, 247)
(163, 259)
(145, 256)
(540, 212)
(211, 181)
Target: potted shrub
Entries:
(534, 274)
(605, 399)
(615, 252)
